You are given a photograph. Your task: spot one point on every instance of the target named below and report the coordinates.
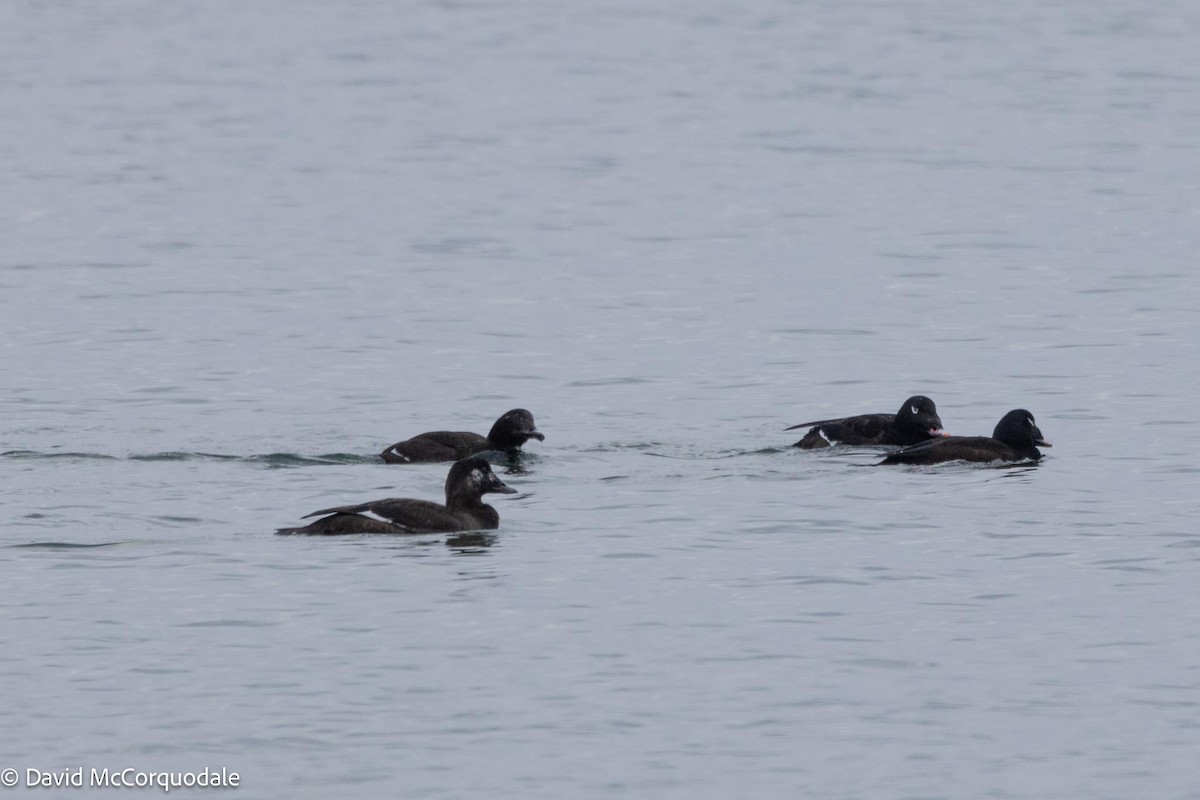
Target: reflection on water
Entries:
(467, 544)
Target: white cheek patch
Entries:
(477, 477)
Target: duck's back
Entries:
(864, 429)
(342, 525)
(427, 517)
(435, 446)
(399, 516)
(979, 449)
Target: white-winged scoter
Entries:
(465, 510)
(916, 421)
(509, 432)
(1016, 438)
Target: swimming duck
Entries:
(465, 510)
(511, 431)
(916, 421)
(1016, 438)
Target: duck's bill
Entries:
(534, 435)
(938, 433)
(1042, 443)
(500, 487)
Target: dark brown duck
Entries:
(512, 430)
(464, 510)
(1016, 438)
(916, 421)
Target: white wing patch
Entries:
(397, 453)
(377, 517)
(823, 435)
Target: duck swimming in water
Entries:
(916, 421)
(512, 430)
(1016, 438)
(465, 510)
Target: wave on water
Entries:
(269, 460)
(280, 460)
(64, 545)
(181, 456)
(616, 447)
(34, 454)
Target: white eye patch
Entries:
(914, 411)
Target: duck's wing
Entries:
(392, 509)
(814, 423)
(415, 516)
(434, 446)
(343, 524)
(980, 449)
(858, 430)
(350, 509)
(392, 515)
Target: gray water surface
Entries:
(248, 246)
